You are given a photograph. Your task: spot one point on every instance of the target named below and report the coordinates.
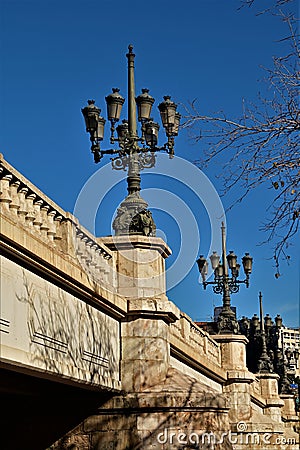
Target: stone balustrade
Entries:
(94, 258)
(202, 345)
(255, 388)
(25, 206)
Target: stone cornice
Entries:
(225, 338)
(153, 308)
(130, 242)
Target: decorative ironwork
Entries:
(225, 284)
(131, 156)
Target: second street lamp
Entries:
(224, 283)
(135, 152)
(265, 364)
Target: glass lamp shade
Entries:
(278, 321)
(201, 263)
(219, 271)
(167, 111)
(122, 130)
(114, 103)
(231, 259)
(245, 322)
(176, 124)
(268, 321)
(91, 114)
(100, 129)
(144, 103)
(255, 321)
(236, 270)
(247, 263)
(214, 260)
(151, 133)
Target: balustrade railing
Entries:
(25, 206)
(199, 340)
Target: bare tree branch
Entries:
(261, 147)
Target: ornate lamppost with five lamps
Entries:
(135, 152)
(225, 284)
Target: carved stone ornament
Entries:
(227, 324)
(134, 220)
(265, 365)
(143, 223)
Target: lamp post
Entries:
(264, 363)
(135, 153)
(224, 283)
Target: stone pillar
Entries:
(289, 414)
(145, 343)
(233, 351)
(140, 267)
(288, 410)
(269, 392)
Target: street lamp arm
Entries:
(110, 151)
(245, 281)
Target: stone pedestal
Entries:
(140, 265)
(288, 410)
(289, 415)
(233, 351)
(269, 391)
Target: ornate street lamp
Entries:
(265, 364)
(224, 283)
(134, 153)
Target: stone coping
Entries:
(269, 376)
(227, 338)
(154, 308)
(136, 241)
(240, 376)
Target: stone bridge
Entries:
(94, 355)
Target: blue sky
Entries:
(57, 54)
